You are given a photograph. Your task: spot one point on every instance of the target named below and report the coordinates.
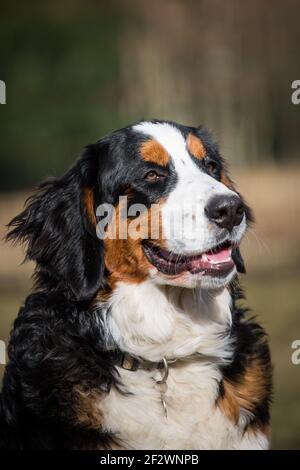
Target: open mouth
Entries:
(214, 262)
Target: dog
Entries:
(130, 340)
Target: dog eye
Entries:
(153, 176)
(211, 166)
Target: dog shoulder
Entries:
(246, 388)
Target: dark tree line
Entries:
(76, 70)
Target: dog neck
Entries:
(153, 321)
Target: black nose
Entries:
(225, 211)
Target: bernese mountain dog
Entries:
(133, 337)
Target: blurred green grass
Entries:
(271, 251)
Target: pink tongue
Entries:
(220, 256)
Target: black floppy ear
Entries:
(58, 230)
(238, 260)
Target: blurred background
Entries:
(75, 70)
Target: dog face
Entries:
(191, 219)
(177, 218)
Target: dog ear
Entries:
(58, 227)
(238, 260)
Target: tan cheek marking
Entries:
(125, 258)
(88, 200)
(247, 393)
(153, 151)
(195, 146)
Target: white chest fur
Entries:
(153, 322)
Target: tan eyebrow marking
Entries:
(153, 151)
(195, 146)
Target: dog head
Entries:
(150, 201)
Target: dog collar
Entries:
(132, 363)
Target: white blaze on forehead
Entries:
(187, 170)
(173, 142)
